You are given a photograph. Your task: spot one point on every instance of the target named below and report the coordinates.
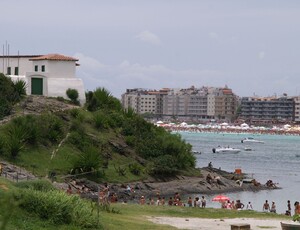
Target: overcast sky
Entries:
(251, 46)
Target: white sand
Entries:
(218, 224)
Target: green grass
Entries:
(38, 160)
(130, 216)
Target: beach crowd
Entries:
(105, 197)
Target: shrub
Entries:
(74, 112)
(73, 95)
(20, 88)
(78, 139)
(100, 120)
(2, 144)
(38, 185)
(16, 139)
(60, 99)
(163, 166)
(29, 123)
(77, 114)
(130, 140)
(51, 127)
(5, 107)
(101, 98)
(87, 161)
(135, 169)
(58, 207)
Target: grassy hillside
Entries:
(100, 141)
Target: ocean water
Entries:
(278, 159)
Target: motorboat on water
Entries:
(251, 140)
(247, 148)
(196, 152)
(225, 150)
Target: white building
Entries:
(48, 75)
(297, 109)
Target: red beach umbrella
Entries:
(221, 198)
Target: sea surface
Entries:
(278, 159)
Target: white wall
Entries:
(57, 87)
(210, 105)
(57, 69)
(23, 62)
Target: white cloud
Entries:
(89, 62)
(149, 37)
(118, 78)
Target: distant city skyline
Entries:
(250, 46)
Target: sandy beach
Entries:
(218, 224)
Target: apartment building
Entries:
(268, 109)
(225, 103)
(297, 109)
(144, 101)
(192, 103)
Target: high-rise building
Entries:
(297, 109)
(267, 109)
(203, 103)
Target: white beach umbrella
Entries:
(183, 124)
(224, 124)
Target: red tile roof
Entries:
(53, 57)
(227, 91)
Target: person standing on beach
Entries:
(266, 206)
(203, 202)
(190, 202)
(297, 208)
(249, 206)
(273, 207)
(289, 209)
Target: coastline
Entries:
(178, 129)
(186, 185)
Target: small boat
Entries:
(247, 148)
(196, 152)
(288, 226)
(251, 140)
(225, 150)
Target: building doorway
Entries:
(37, 86)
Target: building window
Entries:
(36, 68)
(8, 70)
(43, 68)
(16, 70)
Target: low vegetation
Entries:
(10, 93)
(38, 205)
(47, 206)
(100, 142)
(106, 141)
